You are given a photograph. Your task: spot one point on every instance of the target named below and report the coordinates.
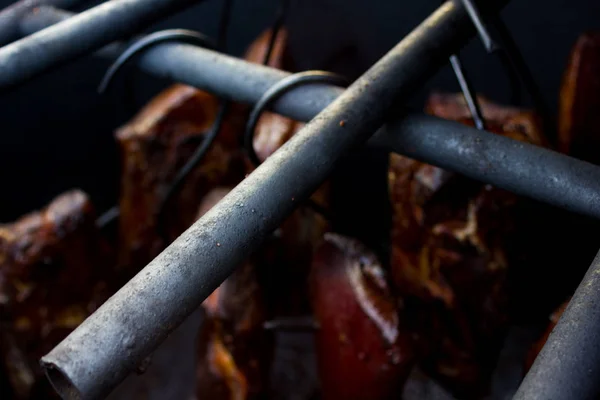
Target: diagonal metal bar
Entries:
(111, 342)
(525, 169)
(79, 35)
(568, 365)
(11, 16)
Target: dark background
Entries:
(56, 132)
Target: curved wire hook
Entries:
(169, 35)
(189, 166)
(275, 92)
(181, 35)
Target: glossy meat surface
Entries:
(364, 351)
(52, 269)
(579, 100)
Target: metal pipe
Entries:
(519, 167)
(569, 363)
(78, 35)
(11, 16)
(525, 169)
(112, 341)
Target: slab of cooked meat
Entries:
(579, 100)
(154, 146)
(53, 265)
(364, 348)
(449, 252)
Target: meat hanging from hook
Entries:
(170, 35)
(274, 93)
(185, 36)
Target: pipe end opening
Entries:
(61, 382)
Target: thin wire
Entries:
(189, 166)
(480, 25)
(491, 46)
(467, 91)
(276, 28)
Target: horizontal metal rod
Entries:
(525, 169)
(519, 167)
(79, 35)
(123, 331)
(11, 16)
(568, 365)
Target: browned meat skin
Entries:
(234, 349)
(449, 261)
(579, 100)
(537, 346)
(52, 265)
(364, 350)
(155, 145)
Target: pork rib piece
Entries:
(53, 265)
(449, 252)
(155, 145)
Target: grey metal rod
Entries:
(11, 16)
(112, 341)
(525, 169)
(79, 35)
(569, 364)
(522, 168)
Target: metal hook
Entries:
(186, 36)
(169, 35)
(189, 166)
(275, 92)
